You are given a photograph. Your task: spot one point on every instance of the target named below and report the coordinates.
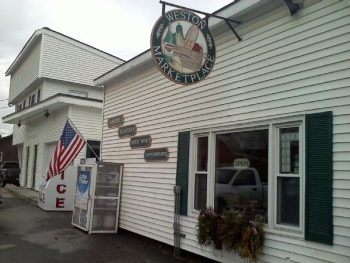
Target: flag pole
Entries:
(75, 128)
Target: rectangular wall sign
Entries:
(115, 121)
(156, 154)
(127, 131)
(141, 141)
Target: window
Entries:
(288, 177)
(296, 170)
(32, 99)
(92, 149)
(201, 171)
(21, 106)
(241, 171)
(234, 173)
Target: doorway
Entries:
(27, 166)
(34, 165)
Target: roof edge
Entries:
(56, 96)
(126, 64)
(22, 52)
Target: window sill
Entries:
(193, 214)
(285, 233)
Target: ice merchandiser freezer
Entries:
(97, 197)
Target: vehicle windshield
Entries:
(225, 175)
(11, 165)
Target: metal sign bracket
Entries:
(207, 16)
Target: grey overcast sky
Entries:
(119, 27)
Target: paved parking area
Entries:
(31, 235)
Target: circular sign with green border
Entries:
(183, 47)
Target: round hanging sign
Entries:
(183, 47)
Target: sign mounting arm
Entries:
(227, 20)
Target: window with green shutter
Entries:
(319, 178)
(299, 162)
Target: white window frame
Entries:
(301, 176)
(273, 155)
(21, 105)
(193, 170)
(31, 100)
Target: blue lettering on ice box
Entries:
(83, 183)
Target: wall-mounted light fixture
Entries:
(46, 114)
(292, 8)
(19, 124)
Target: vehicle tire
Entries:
(2, 182)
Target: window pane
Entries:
(33, 99)
(202, 153)
(225, 176)
(242, 171)
(289, 150)
(200, 192)
(288, 201)
(245, 177)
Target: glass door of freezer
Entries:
(81, 209)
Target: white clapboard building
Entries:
(51, 78)
(277, 102)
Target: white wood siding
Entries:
(292, 66)
(27, 71)
(53, 87)
(48, 131)
(18, 134)
(39, 132)
(88, 122)
(64, 61)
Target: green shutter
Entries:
(319, 178)
(182, 169)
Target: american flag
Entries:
(68, 147)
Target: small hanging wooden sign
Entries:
(156, 154)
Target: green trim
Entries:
(182, 169)
(319, 178)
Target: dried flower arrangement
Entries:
(233, 230)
